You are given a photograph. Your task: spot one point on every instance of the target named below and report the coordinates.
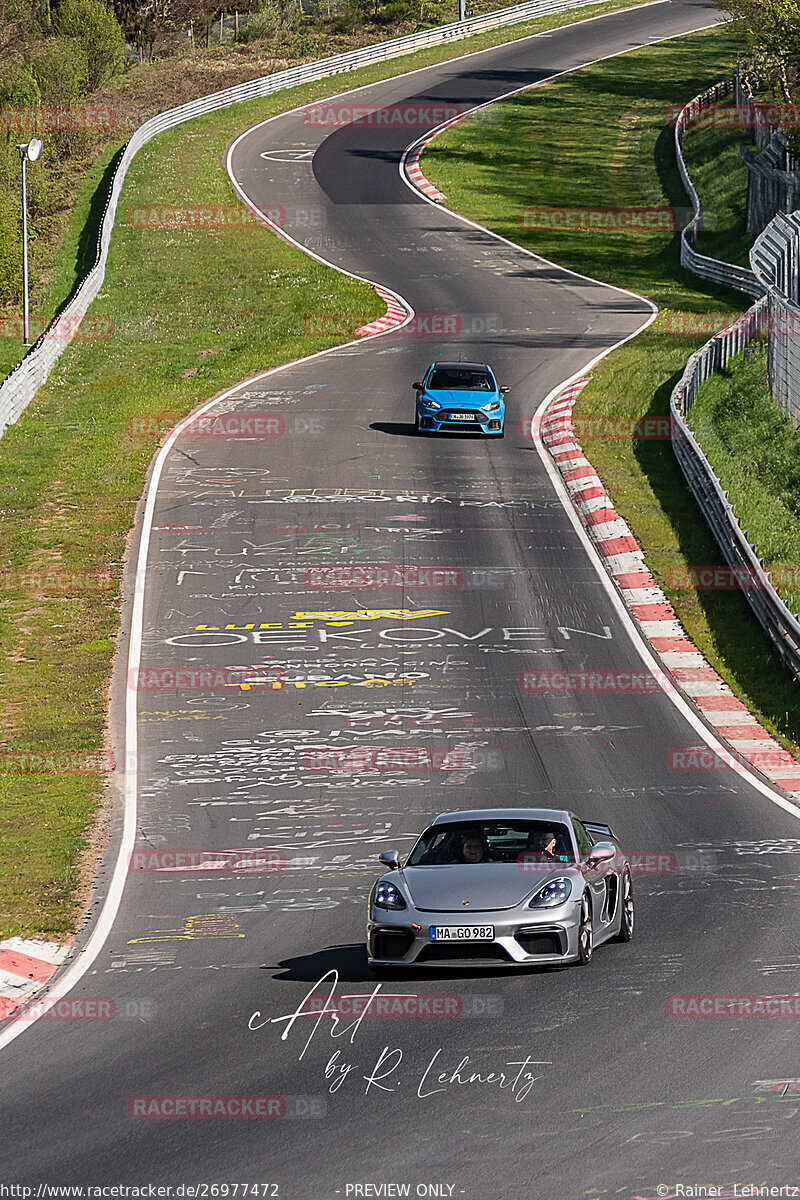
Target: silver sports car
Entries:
(501, 886)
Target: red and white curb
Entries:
(25, 967)
(396, 314)
(682, 661)
(414, 173)
(411, 161)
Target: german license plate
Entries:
(462, 416)
(462, 933)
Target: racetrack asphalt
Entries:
(617, 1097)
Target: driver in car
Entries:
(541, 852)
(545, 844)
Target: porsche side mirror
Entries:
(503, 390)
(391, 859)
(418, 386)
(602, 852)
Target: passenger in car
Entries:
(473, 848)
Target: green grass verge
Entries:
(229, 304)
(755, 451)
(546, 148)
(720, 176)
(232, 303)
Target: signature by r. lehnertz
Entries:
(386, 1073)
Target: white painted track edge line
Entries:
(640, 644)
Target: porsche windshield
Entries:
(460, 380)
(460, 842)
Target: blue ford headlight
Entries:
(493, 407)
(387, 896)
(553, 893)
(426, 402)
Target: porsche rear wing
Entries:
(594, 827)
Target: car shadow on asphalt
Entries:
(407, 429)
(395, 428)
(351, 963)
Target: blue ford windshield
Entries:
(459, 379)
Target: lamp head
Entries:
(31, 150)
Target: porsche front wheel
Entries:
(585, 934)
(626, 920)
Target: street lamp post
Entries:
(27, 153)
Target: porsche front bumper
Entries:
(522, 936)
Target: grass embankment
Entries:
(755, 450)
(193, 313)
(549, 148)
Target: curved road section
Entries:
(317, 722)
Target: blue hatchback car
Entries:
(460, 396)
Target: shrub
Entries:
(61, 70)
(262, 24)
(10, 249)
(101, 34)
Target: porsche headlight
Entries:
(427, 403)
(553, 893)
(493, 407)
(387, 896)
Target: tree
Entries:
(144, 21)
(98, 29)
(61, 70)
(20, 102)
(773, 29)
(10, 252)
(21, 26)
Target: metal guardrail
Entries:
(773, 267)
(707, 268)
(773, 180)
(775, 258)
(22, 384)
(780, 624)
